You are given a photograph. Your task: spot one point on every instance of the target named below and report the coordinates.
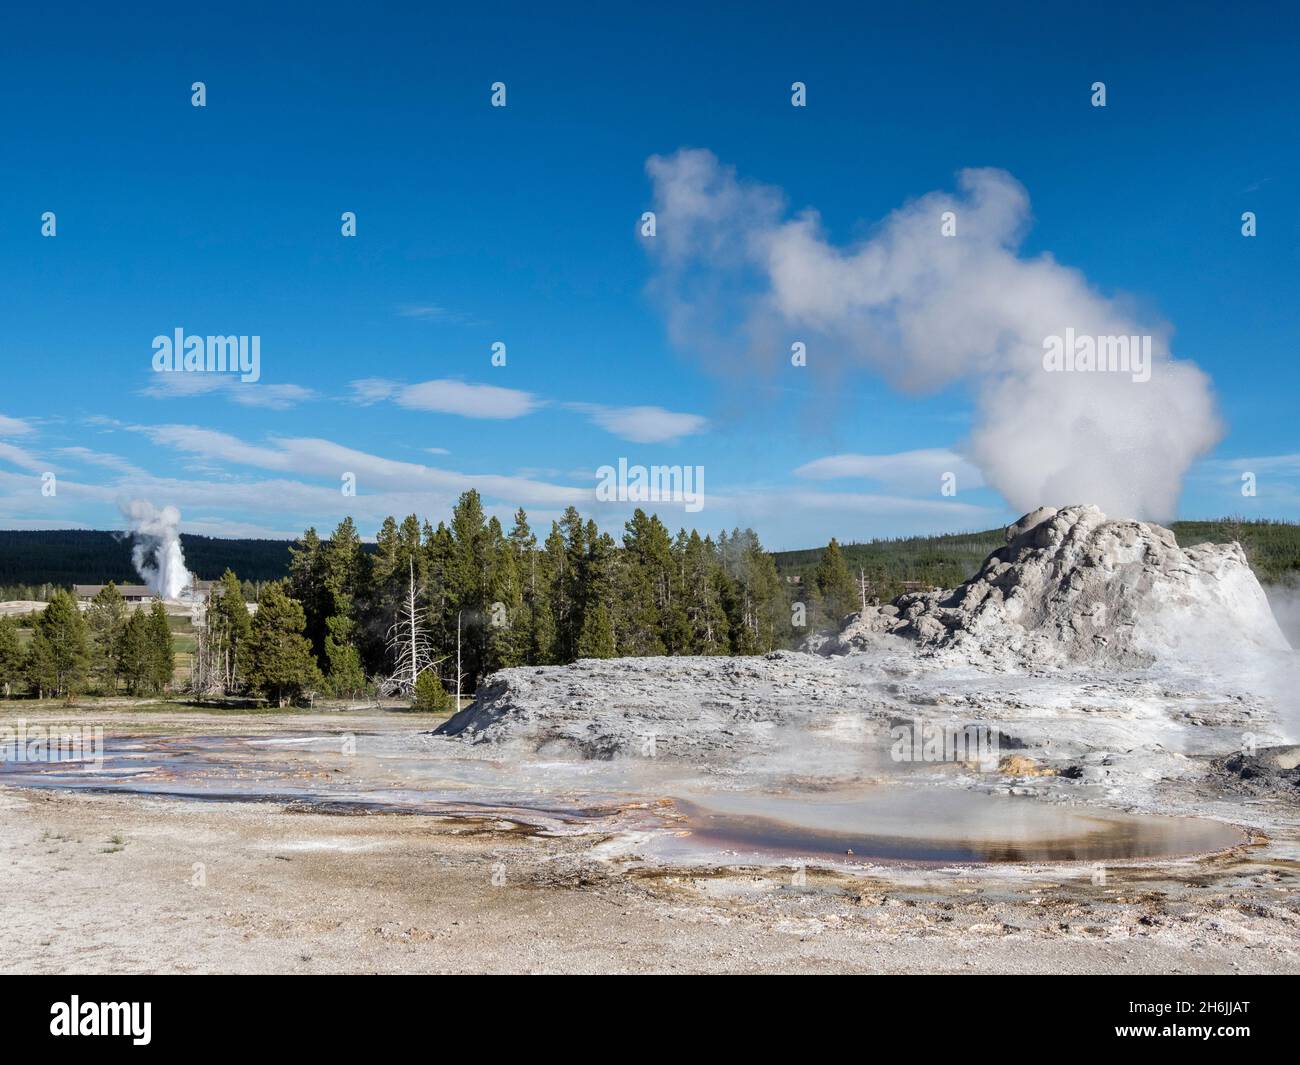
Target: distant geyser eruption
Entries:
(157, 553)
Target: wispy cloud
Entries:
(643, 425)
(449, 396)
(432, 312)
(245, 393)
(1284, 464)
(317, 457)
(21, 458)
(918, 470)
(103, 459)
(14, 426)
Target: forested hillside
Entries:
(65, 557)
(74, 556)
(1273, 548)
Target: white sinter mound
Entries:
(1101, 647)
(1073, 587)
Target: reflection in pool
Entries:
(906, 824)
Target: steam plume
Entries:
(740, 281)
(157, 553)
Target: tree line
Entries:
(477, 597)
(468, 597)
(108, 649)
(31, 558)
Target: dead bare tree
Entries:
(408, 643)
(459, 675)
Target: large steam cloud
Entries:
(157, 553)
(740, 282)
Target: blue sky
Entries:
(519, 224)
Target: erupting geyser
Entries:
(157, 553)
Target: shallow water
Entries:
(339, 773)
(940, 825)
(399, 773)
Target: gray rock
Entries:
(1074, 587)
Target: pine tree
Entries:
(541, 650)
(343, 568)
(278, 660)
(217, 660)
(13, 658)
(441, 591)
(106, 620)
(645, 581)
(709, 632)
(431, 695)
(524, 545)
(508, 636)
(834, 584)
(307, 584)
(471, 580)
(347, 678)
(570, 581)
(397, 549)
(559, 594)
(162, 657)
(137, 659)
(753, 596)
(597, 637)
(59, 657)
(674, 622)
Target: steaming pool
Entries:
(676, 818)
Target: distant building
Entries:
(132, 593)
(139, 593)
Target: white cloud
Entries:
(276, 397)
(919, 470)
(245, 393)
(873, 504)
(14, 426)
(429, 312)
(448, 396)
(11, 453)
(316, 457)
(103, 459)
(203, 525)
(1285, 464)
(643, 425)
(374, 390)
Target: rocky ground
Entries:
(98, 883)
(128, 882)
